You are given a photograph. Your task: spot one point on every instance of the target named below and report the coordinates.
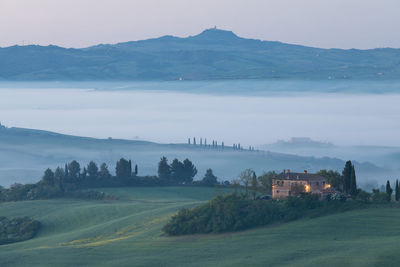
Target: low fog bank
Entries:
(246, 112)
(387, 157)
(25, 154)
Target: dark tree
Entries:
(164, 170)
(209, 178)
(123, 168)
(136, 170)
(74, 170)
(92, 169)
(189, 171)
(177, 171)
(353, 182)
(397, 191)
(347, 177)
(48, 178)
(66, 170)
(59, 176)
(84, 173)
(130, 168)
(389, 191)
(254, 185)
(104, 174)
(265, 181)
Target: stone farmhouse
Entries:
(289, 183)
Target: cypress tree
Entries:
(397, 191)
(347, 177)
(353, 182)
(389, 191)
(66, 170)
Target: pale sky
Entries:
(320, 23)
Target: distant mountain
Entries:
(26, 153)
(213, 54)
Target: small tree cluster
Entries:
(177, 172)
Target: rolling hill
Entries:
(213, 54)
(26, 153)
(127, 232)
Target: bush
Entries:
(363, 196)
(90, 195)
(233, 213)
(17, 229)
(379, 197)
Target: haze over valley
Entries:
(165, 114)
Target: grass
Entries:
(127, 232)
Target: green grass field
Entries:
(127, 232)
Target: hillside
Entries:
(384, 156)
(127, 232)
(213, 54)
(26, 153)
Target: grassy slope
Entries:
(128, 232)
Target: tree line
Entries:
(73, 177)
(214, 144)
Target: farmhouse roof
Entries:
(300, 176)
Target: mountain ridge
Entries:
(211, 55)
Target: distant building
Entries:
(289, 183)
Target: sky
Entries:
(320, 23)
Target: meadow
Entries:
(127, 232)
